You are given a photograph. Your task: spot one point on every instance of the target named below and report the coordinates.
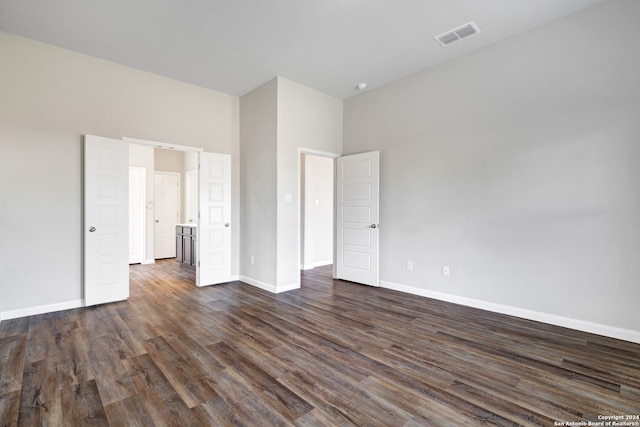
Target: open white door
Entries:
(214, 224)
(357, 200)
(106, 220)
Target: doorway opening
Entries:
(106, 275)
(207, 226)
(163, 191)
(316, 210)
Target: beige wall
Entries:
(258, 142)
(307, 119)
(50, 98)
(278, 119)
(517, 166)
(169, 161)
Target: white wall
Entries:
(143, 156)
(50, 98)
(517, 166)
(277, 120)
(258, 163)
(190, 161)
(311, 120)
(317, 211)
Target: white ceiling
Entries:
(234, 46)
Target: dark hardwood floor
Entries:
(331, 353)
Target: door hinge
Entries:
(198, 263)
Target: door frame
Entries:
(334, 156)
(156, 144)
(312, 152)
(196, 150)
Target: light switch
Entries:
(288, 197)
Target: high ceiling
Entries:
(233, 46)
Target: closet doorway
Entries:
(316, 210)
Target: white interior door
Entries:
(137, 192)
(214, 225)
(106, 220)
(167, 213)
(357, 210)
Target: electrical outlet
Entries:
(445, 270)
(409, 265)
(253, 260)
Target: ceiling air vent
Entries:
(459, 33)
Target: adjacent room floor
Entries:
(331, 353)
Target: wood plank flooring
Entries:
(331, 353)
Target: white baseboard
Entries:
(269, 287)
(258, 284)
(316, 264)
(567, 322)
(40, 309)
(148, 261)
(552, 319)
(289, 287)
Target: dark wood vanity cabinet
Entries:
(186, 246)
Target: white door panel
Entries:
(167, 213)
(106, 220)
(214, 224)
(357, 183)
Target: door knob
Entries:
(227, 224)
(157, 220)
(92, 229)
(373, 225)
